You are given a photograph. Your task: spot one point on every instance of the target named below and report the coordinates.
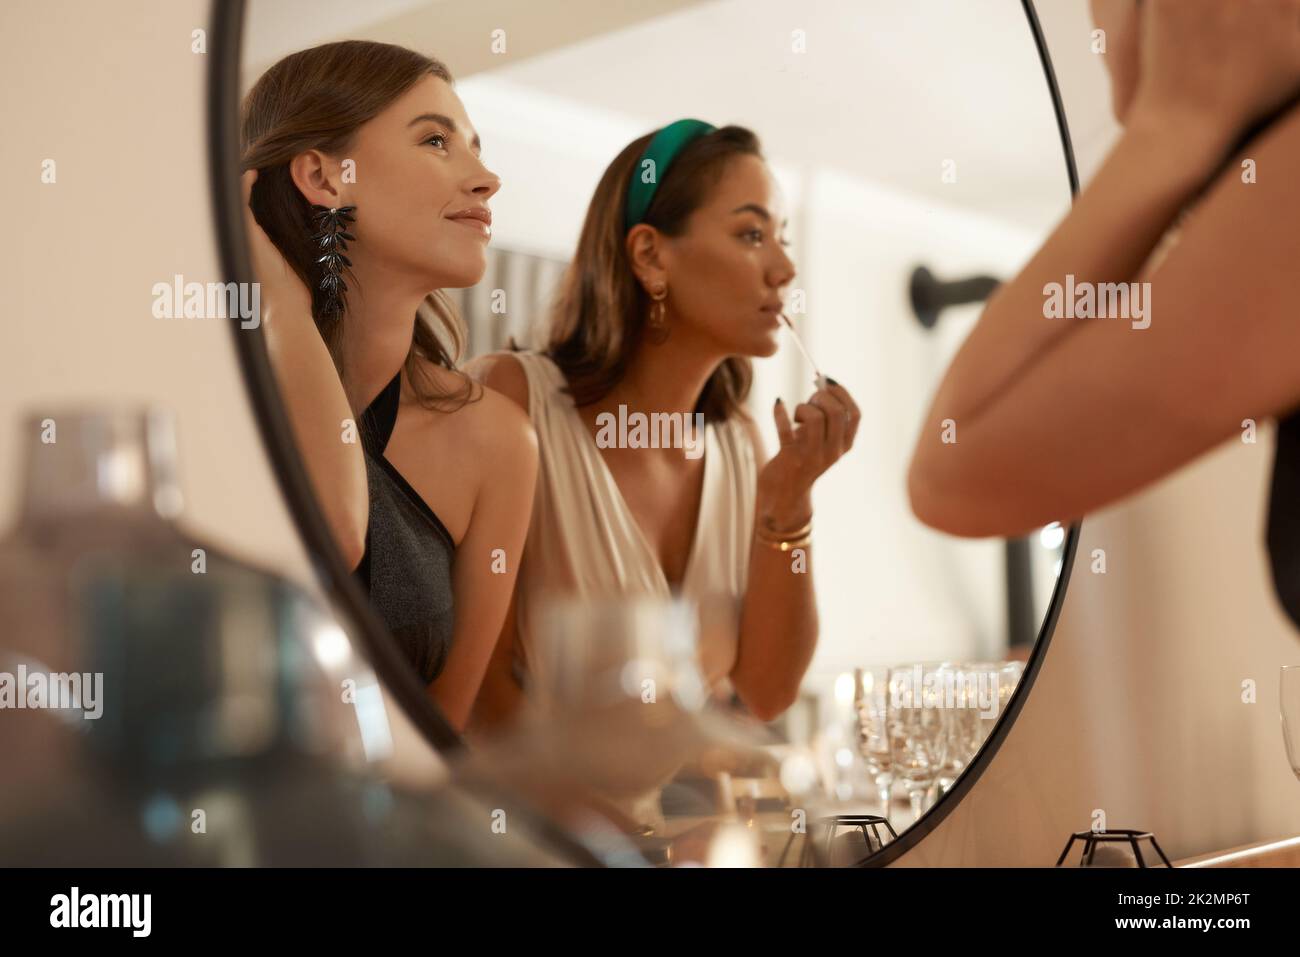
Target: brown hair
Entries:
(599, 318)
(317, 99)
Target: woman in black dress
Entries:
(425, 477)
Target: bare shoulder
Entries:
(494, 430)
(503, 373)
(492, 424)
(504, 432)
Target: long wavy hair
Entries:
(318, 99)
(600, 315)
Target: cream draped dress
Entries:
(584, 542)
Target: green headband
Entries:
(660, 153)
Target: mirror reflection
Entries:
(605, 338)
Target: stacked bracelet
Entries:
(784, 541)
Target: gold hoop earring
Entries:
(657, 329)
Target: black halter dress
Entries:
(1284, 516)
(406, 567)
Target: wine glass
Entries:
(919, 744)
(960, 722)
(1008, 678)
(871, 707)
(988, 690)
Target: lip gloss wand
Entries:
(820, 381)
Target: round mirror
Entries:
(496, 201)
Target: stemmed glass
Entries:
(960, 722)
(991, 685)
(919, 742)
(920, 725)
(1008, 678)
(871, 706)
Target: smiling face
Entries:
(726, 273)
(1119, 18)
(421, 192)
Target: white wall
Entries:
(890, 590)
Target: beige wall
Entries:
(113, 94)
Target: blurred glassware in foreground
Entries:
(162, 703)
(617, 705)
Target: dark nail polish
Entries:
(831, 381)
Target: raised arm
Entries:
(778, 621)
(312, 392)
(1054, 417)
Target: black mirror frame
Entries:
(225, 38)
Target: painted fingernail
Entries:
(776, 403)
(831, 381)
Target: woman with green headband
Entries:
(678, 280)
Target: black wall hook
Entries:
(930, 296)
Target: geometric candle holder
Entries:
(1112, 836)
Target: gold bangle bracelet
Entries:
(805, 529)
(786, 544)
(784, 541)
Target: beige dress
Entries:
(584, 542)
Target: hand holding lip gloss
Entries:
(819, 433)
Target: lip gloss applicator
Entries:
(820, 381)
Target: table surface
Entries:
(774, 827)
(1280, 853)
